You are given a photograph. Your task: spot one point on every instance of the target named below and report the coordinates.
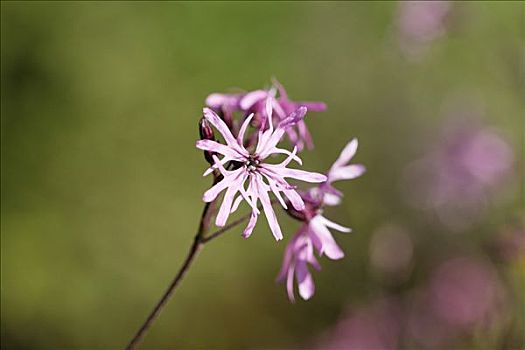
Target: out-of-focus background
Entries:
(101, 182)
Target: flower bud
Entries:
(206, 133)
(205, 130)
(310, 210)
(294, 213)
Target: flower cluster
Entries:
(252, 124)
(314, 234)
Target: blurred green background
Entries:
(101, 182)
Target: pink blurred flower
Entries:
(460, 174)
(252, 168)
(463, 298)
(420, 23)
(372, 327)
(464, 294)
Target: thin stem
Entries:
(197, 245)
(194, 249)
(167, 294)
(217, 233)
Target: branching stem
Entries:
(198, 242)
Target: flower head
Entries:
(340, 170)
(314, 235)
(255, 102)
(242, 171)
(251, 167)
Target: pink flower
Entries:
(255, 102)
(465, 291)
(341, 170)
(314, 234)
(250, 166)
(225, 105)
(326, 194)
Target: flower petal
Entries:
(236, 204)
(295, 199)
(217, 164)
(268, 209)
(219, 100)
(333, 225)
(278, 108)
(293, 118)
(265, 146)
(252, 203)
(269, 109)
(277, 194)
(240, 137)
(219, 124)
(252, 98)
(214, 146)
(305, 134)
(323, 239)
(298, 174)
(313, 106)
(226, 206)
(288, 255)
(346, 154)
(251, 224)
(294, 138)
(291, 155)
(282, 92)
(264, 136)
(331, 199)
(214, 191)
(289, 282)
(348, 172)
(305, 281)
(282, 185)
(230, 178)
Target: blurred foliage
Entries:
(101, 182)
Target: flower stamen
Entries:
(252, 163)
